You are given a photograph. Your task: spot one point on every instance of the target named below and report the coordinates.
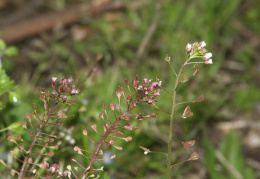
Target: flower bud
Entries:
(69, 80)
(112, 106)
(101, 115)
(188, 47)
(41, 90)
(52, 170)
(50, 154)
(130, 127)
(146, 151)
(28, 115)
(121, 88)
(10, 138)
(76, 148)
(94, 127)
(129, 97)
(126, 82)
(54, 80)
(65, 173)
(118, 148)
(24, 124)
(145, 81)
(74, 91)
(127, 139)
(104, 107)
(44, 165)
(30, 160)
(85, 132)
(51, 140)
(167, 58)
(119, 93)
(42, 97)
(134, 83)
(156, 94)
(153, 115)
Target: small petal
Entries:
(209, 61)
(207, 56)
(54, 80)
(203, 44)
(188, 47)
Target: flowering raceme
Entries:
(198, 50)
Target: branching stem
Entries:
(170, 139)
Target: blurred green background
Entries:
(226, 125)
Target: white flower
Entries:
(54, 79)
(146, 152)
(207, 56)
(15, 99)
(203, 44)
(188, 47)
(209, 61)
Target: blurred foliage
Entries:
(229, 29)
(6, 85)
(229, 157)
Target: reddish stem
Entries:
(103, 140)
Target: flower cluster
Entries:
(41, 143)
(198, 50)
(148, 91)
(54, 170)
(62, 90)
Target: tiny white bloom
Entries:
(62, 134)
(146, 152)
(54, 78)
(203, 44)
(209, 61)
(15, 99)
(72, 141)
(188, 47)
(67, 138)
(207, 56)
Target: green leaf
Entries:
(2, 45)
(231, 148)
(211, 161)
(10, 51)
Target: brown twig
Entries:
(27, 28)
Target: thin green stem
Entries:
(169, 155)
(172, 68)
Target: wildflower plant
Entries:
(115, 117)
(42, 143)
(196, 54)
(145, 91)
